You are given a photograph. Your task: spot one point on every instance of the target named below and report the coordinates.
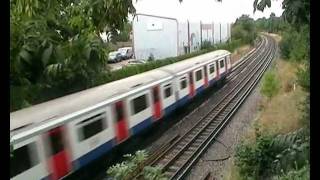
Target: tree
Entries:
(124, 34)
(55, 47)
(244, 29)
(270, 84)
(296, 12)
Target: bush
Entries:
(272, 155)
(128, 168)
(270, 84)
(206, 45)
(296, 174)
(255, 159)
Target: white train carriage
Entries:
(57, 137)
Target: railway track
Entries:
(177, 157)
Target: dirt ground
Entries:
(240, 52)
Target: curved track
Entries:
(177, 158)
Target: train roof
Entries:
(57, 108)
(195, 62)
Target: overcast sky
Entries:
(205, 10)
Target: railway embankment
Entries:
(278, 115)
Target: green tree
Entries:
(55, 47)
(270, 84)
(244, 29)
(124, 34)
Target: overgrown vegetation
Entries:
(270, 84)
(126, 169)
(282, 156)
(244, 30)
(272, 156)
(55, 47)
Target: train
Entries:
(53, 139)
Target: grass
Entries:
(279, 115)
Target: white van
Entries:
(126, 52)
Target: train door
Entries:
(59, 159)
(191, 84)
(218, 67)
(122, 131)
(226, 64)
(206, 82)
(157, 109)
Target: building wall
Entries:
(216, 33)
(183, 37)
(207, 34)
(154, 35)
(195, 40)
(166, 37)
(224, 32)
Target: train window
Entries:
(139, 104)
(91, 126)
(222, 64)
(167, 91)
(211, 69)
(21, 161)
(183, 83)
(198, 75)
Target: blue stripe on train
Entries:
(183, 101)
(104, 148)
(142, 125)
(93, 155)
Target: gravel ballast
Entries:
(218, 156)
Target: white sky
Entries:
(205, 10)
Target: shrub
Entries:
(272, 155)
(270, 84)
(127, 168)
(255, 159)
(296, 174)
(206, 45)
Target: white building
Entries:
(163, 37)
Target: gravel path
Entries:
(218, 156)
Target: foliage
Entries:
(296, 12)
(55, 47)
(124, 34)
(139, 68)
(153, 173)
(206, 44)
(270, 84)
(124, 169)
(253, 160)
(272, 155)
(296, 174)
(244, 30)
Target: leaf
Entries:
(47, 54)
(25, 55)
